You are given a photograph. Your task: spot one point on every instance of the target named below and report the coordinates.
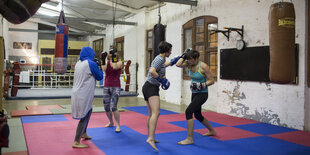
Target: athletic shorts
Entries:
(149, 90)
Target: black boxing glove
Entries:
(97, 62)
(103, 56)
(113, 52)
(197, 86)
(184, 55)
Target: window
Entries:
(98, 47)
(197, 34)
(119, 43)
(149, 50)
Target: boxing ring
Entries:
(40, 83)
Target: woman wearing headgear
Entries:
(201, 78)
(85, 75)
(112, 86)
(156, 77)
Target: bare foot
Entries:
(86, 137)
(211, 133)
(186, 142)
(152, 144)
(109, 125)
(79, 145)
(118, 130)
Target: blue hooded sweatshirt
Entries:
(88, 54)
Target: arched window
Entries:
(197, 34)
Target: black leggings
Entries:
(82, 126)
(198, 99)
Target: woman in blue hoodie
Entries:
(86, 73)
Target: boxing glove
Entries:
(97, 62)
(113, 52)
(165, 84)
(103, 56)
(197, 86)
(174, 60)
(184, 55)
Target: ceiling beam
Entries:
(54, 32)
(118, 6)
(37, 20)
(77, 19)
(187, 2)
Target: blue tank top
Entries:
(198, 77)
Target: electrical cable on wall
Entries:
(113, 21)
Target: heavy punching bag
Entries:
(61, 45)
(18, 11)
(282, 43)
(15, 82)
(158, 36)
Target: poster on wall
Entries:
(22, 45)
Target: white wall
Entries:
(273, 103)
(5, 33)
(282, 105)
(1, 25)
(29, 37)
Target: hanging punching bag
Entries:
(61, 45)
(282, 43)
(127, 75)
(158, 36)
(18, 11)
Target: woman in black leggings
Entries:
(201, 78)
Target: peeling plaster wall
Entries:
(271, 103)
(282, 105)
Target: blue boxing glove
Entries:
(158, 78)
(165, 83)
(174, 60)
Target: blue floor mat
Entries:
(43, 118)
(143, 110)
(264, 128)
(268, 145)
(131, 142)
(197, 124)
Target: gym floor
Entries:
(53, 133)
(17, 144)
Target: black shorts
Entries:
(149, 90)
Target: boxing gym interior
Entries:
(256, 50)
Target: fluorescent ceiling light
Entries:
(52, 3)
(47, 12)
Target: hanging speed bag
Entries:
(158, 36)
(61, 48)
(282, 42)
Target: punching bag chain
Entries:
(62, 5)
(159, 17)
(113, 21)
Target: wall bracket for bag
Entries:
(239, 31)
(224, 32)
(228, 30)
